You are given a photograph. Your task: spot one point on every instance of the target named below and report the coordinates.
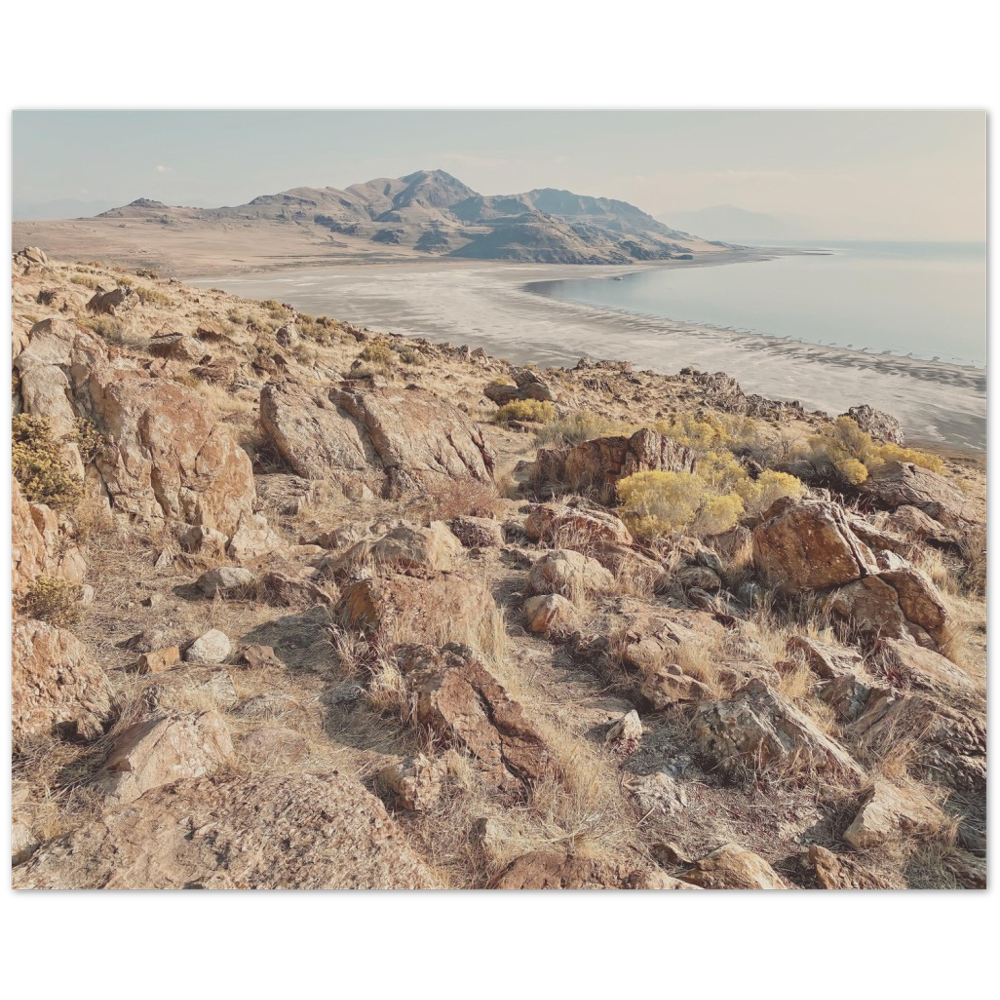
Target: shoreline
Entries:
(489, 304)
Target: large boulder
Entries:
(162, 750)
(889, 813)
(808, 545)
(301, 831)
(597, 465)
(877, 423)
(575, 527)
(398, 437)
(464, 705)
(57, 687)
(733, 867)
(415, 551)
(169, 455)
(756, 727)
(900, 484)
(570, 574)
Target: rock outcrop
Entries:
(889, 812)
(596, 466)
(395, 438)
(901, 484)
(575, 527)
(281, 832)
(57, 687)
(876, 423)
(733, 867)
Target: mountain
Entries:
(737, 225)
(429, 212)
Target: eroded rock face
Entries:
(757, 727)
(889, 812)
(573, 527)
(877, 423)
(597, 465)
(465, 705)
(57, 688)
(901, 484)
(809, 546)
(733, 867)
(169, 456)
(164, 749)
(299, 831)
(400, 437)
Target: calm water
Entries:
(927, 300)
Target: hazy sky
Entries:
(860, 174)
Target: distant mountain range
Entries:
(728, 222)
(432, 213)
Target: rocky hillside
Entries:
(303, 605)
(421, 214)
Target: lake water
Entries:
(927, 300)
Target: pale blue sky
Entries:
(860, 174)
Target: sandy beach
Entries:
(492, 306)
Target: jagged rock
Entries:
(416, 783)
(573, 527)
(477, 532)
(288, 335)
(657, 794)
(556, 869)
(665, 684)
(112, 303)
(912, 665)
(212, 647)
(901, 603)
(876, 540)
(29, 256)
(876, 423)
(549, 613)
(756, 726)
(628, 728)
(300, 831)
(162, 750)
(282, 589)
(158, 660)
(168, 455)
(900, 484)
(826, 660)
(403, 437)
(733, 867)
(464, 705)
(837, 871)
(274, 746)
(406, 549)
(57, 689)
(952, 743)
(252, 539)
(528, 386)
(597, 465)
(848, 695)
(808, 545)
(176, 347)
(570, 574)
(889, 812)
(29, 555)
(225, 580)
(409, 609)
(914, 523)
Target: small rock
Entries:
(733, 867)
(224, 580)
(890, 812)
(212, 647)
(159, 659)
(628, 727)
(548, 612)
(259, 657)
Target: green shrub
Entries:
(411, 356)
(54, 601)
(525, 410)
(758, 494)
(853, 455)
(378, 354)
(38, 466)
(577, 427)
(660, 503)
